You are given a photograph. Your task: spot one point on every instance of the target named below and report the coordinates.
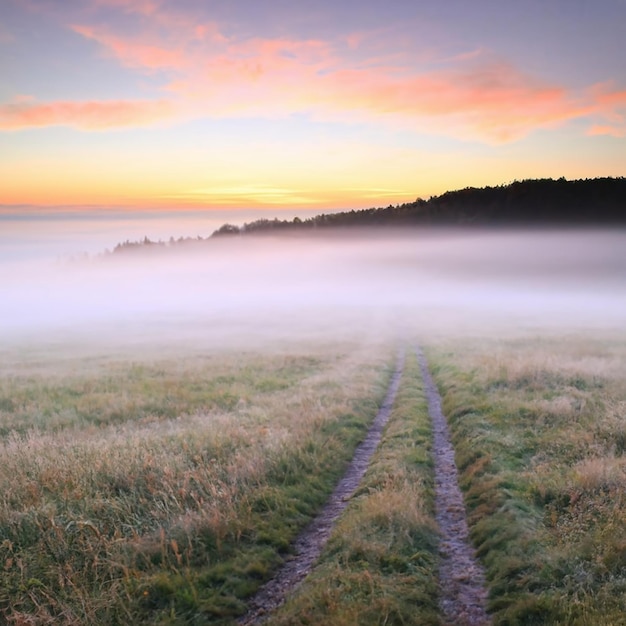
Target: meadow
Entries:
(164, 490)
(164, 486)
(539, 427)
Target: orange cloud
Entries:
(133, 53)
(84, 115)
(608, 108)
(469, 96)
(609, 101)
(473, 98)
(606, 94)
(219, 76)
(492, 101)
(613, 131)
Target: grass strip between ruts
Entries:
(380, 564)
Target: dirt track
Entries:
(463, 593)
(462, 580)
(309, 544)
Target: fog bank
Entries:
(342, 280)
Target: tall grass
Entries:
(165, 492)
(538, 426)
(380, 564)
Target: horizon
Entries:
(74, 233)
(84, 232)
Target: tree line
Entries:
(537, 201)
(540, 202)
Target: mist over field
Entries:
(255, 286)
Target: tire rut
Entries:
(463, 592)
(310, 542)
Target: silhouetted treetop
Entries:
(540, 202)
(527, 202)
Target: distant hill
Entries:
(538, 202)
(528, 202)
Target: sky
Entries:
(186, 104)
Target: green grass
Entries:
(173, 506)
(127, 391)
(166, 489)
(538, 427)
(380, 564)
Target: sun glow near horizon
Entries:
(154, 104)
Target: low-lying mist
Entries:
(264, 286)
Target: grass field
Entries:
(380, 566)
(539, 427)
(163, 491)
(164, 486)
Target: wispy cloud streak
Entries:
(210, 72)
(94, 115)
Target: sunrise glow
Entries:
(178, 104)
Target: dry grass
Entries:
(165, 489)
(380, 564)
(115, 510)
(539, 427)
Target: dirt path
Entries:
(309, 544)
(463, 593)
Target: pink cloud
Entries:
(608, 110)
(612, 98)
(469, 96)
(493, 101)
(96, 115)
(613, 131)
(133, 53)
(609, 102)
(354, 40)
